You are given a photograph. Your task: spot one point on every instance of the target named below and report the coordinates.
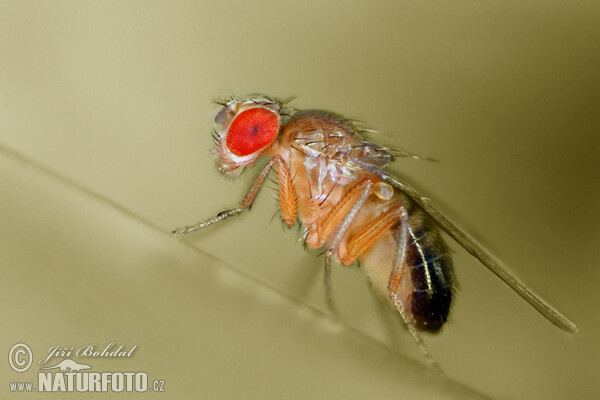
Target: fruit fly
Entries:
(336, 184)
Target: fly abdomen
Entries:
(432, 277)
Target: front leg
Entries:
(244, 205)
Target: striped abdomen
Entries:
(431, 275)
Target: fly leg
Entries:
(394, 284)
(335, 226)
(288, 203)
(287, 198)
(327, 283)
(368, 235)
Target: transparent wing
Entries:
(481, 254)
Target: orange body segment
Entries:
(340, 210)
(369, 234)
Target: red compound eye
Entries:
(252, 130)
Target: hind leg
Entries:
(394, 283)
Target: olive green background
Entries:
(105, 119)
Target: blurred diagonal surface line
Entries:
(414, 371)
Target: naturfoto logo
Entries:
(69, 375)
